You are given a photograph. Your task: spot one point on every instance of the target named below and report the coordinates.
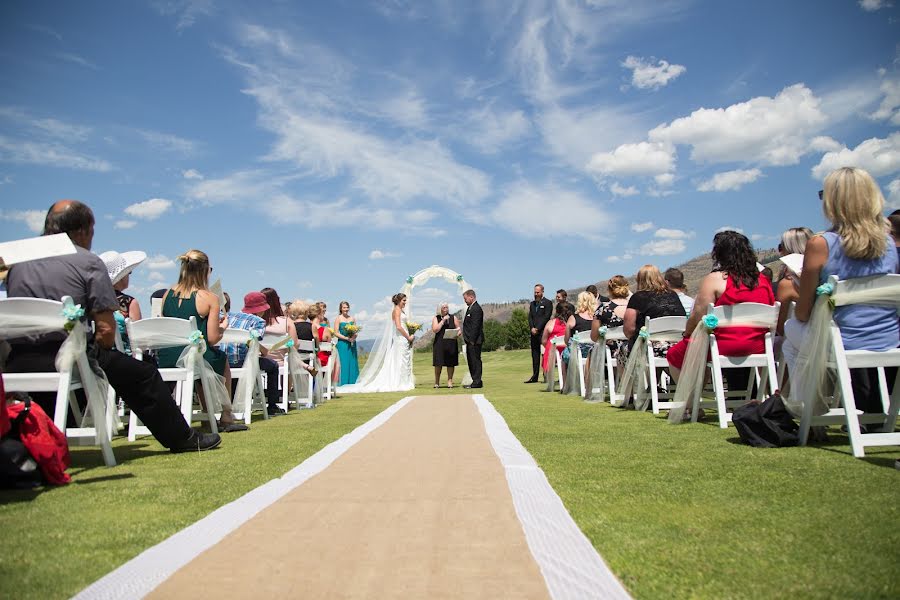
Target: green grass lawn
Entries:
(676, 511)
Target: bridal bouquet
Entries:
(351, 330)
(412, 327)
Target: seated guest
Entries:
(119, 267)
(894, 220)
(675, 278)
(250, 319)
(322, 332)
(84, 277)
(555, 328)
(562, 297)
(277, 323)
(190, 297)
(581, 321)
(793, 241)
(652, 299)
(735, 279)
(612, 314)
(296, 312)
(857, 245)
(304, 324)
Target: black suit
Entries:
(473, 335)
(539, 314)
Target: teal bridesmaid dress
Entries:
(349, 360)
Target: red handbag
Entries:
(42, 438)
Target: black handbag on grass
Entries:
(766, 424)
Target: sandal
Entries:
(450, 385)
(436, 386)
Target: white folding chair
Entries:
(328, 370)
(143, 335)
(557, 371)
(582, 337)
(612, 335)
(762, 315)
(661, 329)
(841, 361)
(253, 389)
(307, 351)
(270, 340)
(63, 383)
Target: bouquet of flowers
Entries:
(412, 327)
(351, 329)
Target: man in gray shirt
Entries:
(83, 276)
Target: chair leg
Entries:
(894, 407)
(850, 415)
(62, 401)
(719, 387)
(654, 389)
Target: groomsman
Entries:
(473, 336)
(539, 313)
(563, 297)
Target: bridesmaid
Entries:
(346, 346)
(446, 351)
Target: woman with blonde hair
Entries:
(190, 297)
(857, 245)
(581, 320)
(612, 314)
(652, 299)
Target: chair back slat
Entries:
(270, 339)
(874, 283)
(666, 329)
(141, 333)
(765, 314)
(616, 333)
(306, 346)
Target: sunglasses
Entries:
(821, 194)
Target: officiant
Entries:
(446, 347)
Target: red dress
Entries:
(734, 341)
(559, 330)
(323, 356)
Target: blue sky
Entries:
(329, 150)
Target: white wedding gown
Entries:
(389, 366)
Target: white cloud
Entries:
(149, 209)
(125, 224)
(494, 129)
(33, 219)
(888, 109)
(78, 60)
(823, 143)
(673, 234)
(663, 247)
(22, 151)
(650, 73)
(643, 158)
(770, 131)
(159, 262)
(619, 190)
(185, 11)
(408, 110)
(729, 228)
(168, 142)
(729, 180)
(664, 179)
(873, 5)
(521, 206)
(878, 156)
(642, 227)
(192, 174)
(380, 254)
(893, 199)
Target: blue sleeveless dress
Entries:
(348, 357)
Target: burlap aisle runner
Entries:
(419, 508)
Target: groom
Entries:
(473, 335)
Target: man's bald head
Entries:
(73, 218)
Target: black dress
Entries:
(446, 352)
(304, 330)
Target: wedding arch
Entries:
(428, 273)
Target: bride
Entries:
(389, 366)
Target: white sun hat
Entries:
(121, 265)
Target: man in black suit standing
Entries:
(539, 313)
(473, 336)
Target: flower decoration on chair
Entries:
(254, 337)
(289, 344)
(602, 331)
(72, 313)
(825, 288)
(644, 333)
(710, 321)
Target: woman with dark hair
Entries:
(735, 279)
(277, 323)
(555, 328)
